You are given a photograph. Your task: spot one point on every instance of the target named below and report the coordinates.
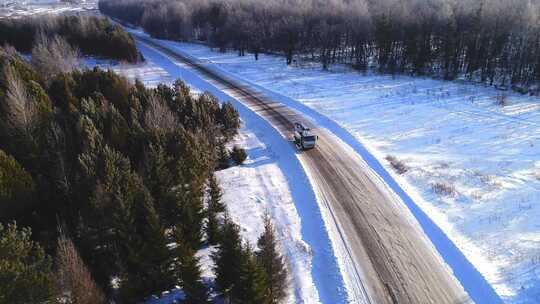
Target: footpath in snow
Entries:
(272, 180)
(471, 164)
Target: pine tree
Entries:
(189, 273)
(148, 263)
(212, 227)
(228, 259)
(223, 158)
(253, 285)
(187, 212)
(215, 194)
(16, 187)
(26, 273)
(215, 206)
(230, 120)
(272, 262)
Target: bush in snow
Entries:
(444, 189)
(501, 100)
(399, 166)
(238, 155)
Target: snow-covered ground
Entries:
(271, 180)
(20, 8)
(257, 187)
(471, 164)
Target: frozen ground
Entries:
(20, 8)
(472, 165)
(259, 186)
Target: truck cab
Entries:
(303, 137)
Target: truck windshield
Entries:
(309, 138)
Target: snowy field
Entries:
(469, 162)
(260, 186)
(21, 8)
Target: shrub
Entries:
(398, 165)
(501, 100)
(238, 155)
(444, 189)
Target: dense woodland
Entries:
(93, 36)
(492, 41)
(107, 191)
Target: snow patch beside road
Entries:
(257, 187)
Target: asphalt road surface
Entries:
(388, 257)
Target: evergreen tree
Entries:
(187, 212)
(272, 262)
(16, 187)
(230, 119)
(215, 206)
(26, 274)
(238, 155)
(212, 227)
(148, 264)
(215, 194)
(228, 259)
(253, 285)
(223, 159)
(189, 272)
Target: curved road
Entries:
(388, 259)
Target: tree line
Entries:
(107, 190)
(92, 35)
(492, 41)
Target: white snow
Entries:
(257, 187)
(18, 8)
(487, 156)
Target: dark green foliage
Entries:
(223, 158)
(238, 155)
(229, 259)
(26, 273)
(230, 120)
(212, 229)
(189, 273)
(95, 36)
(252, 285)
(271, 261)
(16, 187)
(239, 276)
(92, 158)
(215, 206)
(215, 194)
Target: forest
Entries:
(107, 191)
(495, 42)
(91, 35)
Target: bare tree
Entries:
(74, 277)
(20, 110)
(52, 56)
(159, 116)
